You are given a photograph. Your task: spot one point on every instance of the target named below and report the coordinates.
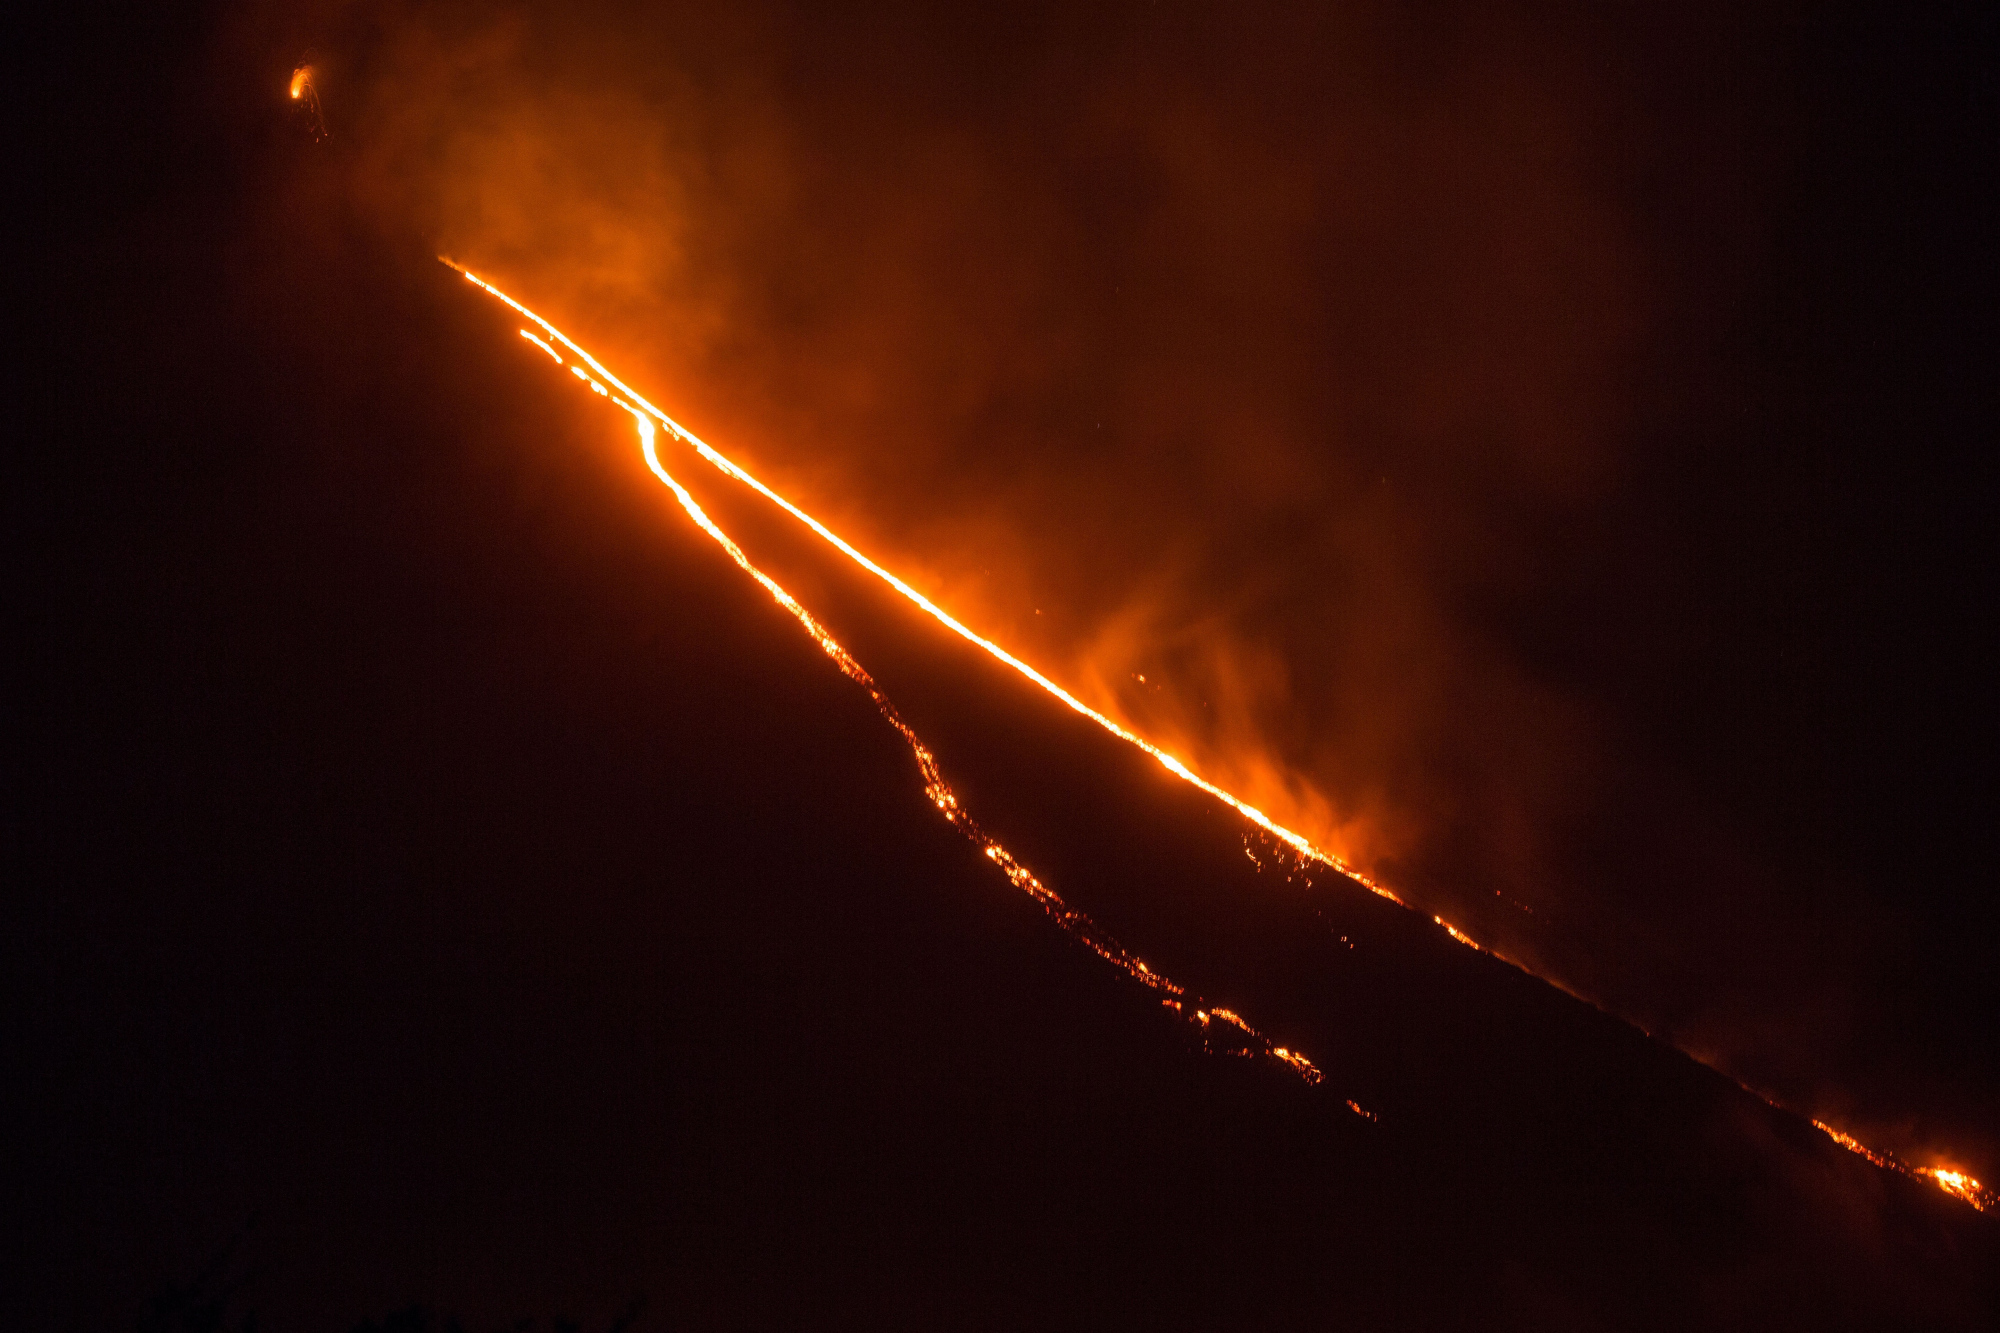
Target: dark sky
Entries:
(1540, 450)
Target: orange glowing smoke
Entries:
(1208, 1018)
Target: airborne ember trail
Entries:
(305, 95)
(1239, 1036)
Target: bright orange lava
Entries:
(1078, 925)
(1955, 1183)
(1297, 841)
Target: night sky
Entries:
(1540, 452)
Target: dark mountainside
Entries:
(436, 850)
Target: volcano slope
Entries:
(431, 846)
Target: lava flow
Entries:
(1241, 1037)
(1221, 1029)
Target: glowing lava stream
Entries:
(1955, 1183)
(1218, 1025)
(1297, 841)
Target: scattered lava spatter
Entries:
(1236, 1035)
(306, 97)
